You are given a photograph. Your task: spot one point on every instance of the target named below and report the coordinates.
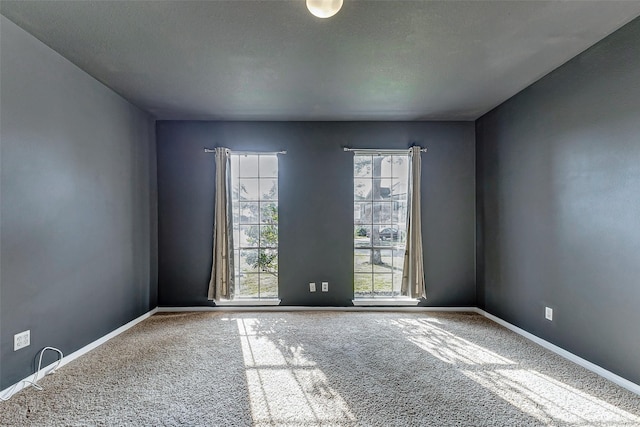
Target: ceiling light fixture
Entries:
(324, 8)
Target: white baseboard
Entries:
(283, 308)
(12, 390)
(622, 382)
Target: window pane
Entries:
(235, 190)
(398, 260)
(391, 235)
(238, 280)
(362, 189)
(400, 167)
(268, 166)
(268, 261)
(385, 167)
(362, 236)
(362, 283)
(400, 213)
(248, 261)
(382, 284)
(235, 169)
(249, 285)
(249, 189)
(362, 212)
(399, 190)
(249, 236)
(397, 282)
(382, 260)
(382, 213)
(235, 211)
(269, 189)
(380, 234)
(268, 286)
(248, 166)
(236, 264)
(362, 166)
(362, 260)
(248, 212)
(268, 236)
(381, 189)
(269, 213)
(236, 238)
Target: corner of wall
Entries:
(479, 241)
(153, 213)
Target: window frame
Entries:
(370, 218)
(250, 242)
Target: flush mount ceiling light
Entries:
(324, 8)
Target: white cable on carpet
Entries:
(34, 383)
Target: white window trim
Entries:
(373, 302)
(243, 302)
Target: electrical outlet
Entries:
(21, 340)
(312, 287)
(325, 286)
(548, 313)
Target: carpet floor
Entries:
(322, 369)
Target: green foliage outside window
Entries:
(265, 236)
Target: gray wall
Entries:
(316, 204)
(559, 206)
(77, 223)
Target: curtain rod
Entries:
(376, 150)
(211, 150)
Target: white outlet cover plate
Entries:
(548, 313)
(21, 340)
(312, 287)
(325, 286)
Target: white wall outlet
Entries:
(325, 286)
(21, 340)
(548, 313)
(312, 287)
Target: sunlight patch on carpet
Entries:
(532, 392)
(284, 387)
(549, 400)
(446, 346)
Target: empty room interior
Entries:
(320, 212)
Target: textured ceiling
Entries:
(272, 60)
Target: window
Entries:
(254, 180)
(380, 211)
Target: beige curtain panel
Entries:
(221, 285)
(413, 284)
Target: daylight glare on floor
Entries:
(547, 399)
(286, 388)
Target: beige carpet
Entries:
(322, 369)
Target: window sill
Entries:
(372, 302)
(248, 302)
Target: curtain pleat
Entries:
(221, 285)
(413, 283)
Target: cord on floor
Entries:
(36, 375)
